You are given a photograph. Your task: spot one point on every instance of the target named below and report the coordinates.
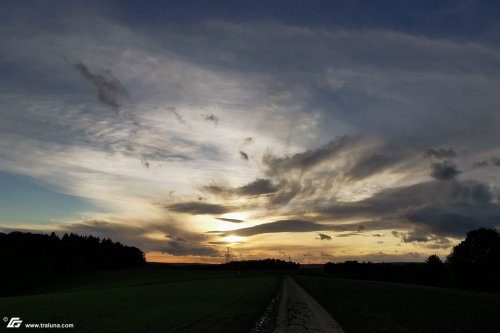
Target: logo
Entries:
(14, 322)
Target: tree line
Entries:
(472, 264)
(29, 259)
(262, 264)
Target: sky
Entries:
(306, 130)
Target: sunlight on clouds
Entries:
(207, 105)
(159, 236)
(234, 239)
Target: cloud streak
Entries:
(110, 91)
(324, 237)
(199, 208)
(305, 160)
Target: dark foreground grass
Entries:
(367, 306)
(193, 301)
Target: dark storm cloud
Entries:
(436, 208)
(416, 236)
(211, 118)
(198, 208)
(390, 201)
(441, 153)
(305, 160)
(324, 237)
(453, 221)
(445, 170)
(230, 220)
(420, 235)
(243, 155)
(109, 89)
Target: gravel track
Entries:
(299, 312)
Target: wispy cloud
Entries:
(197, 208)
(441, 153)
(243, 155)
(230, 220)
(179, 117)
(110, 91)
(211, 118)
(324, 237)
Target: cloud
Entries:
(305, 160)
(199, 208)
(496, 161)
(175, 238)
(324, 237)
(257, 187)
(110, 91)
(446, 170)
(434, 208)
(179, 248)
(277, 227)
(349, 234)
(441, 153)
(178, 116)
(481, 164)
(243, 155)
(288, 190)
(314, 81)
(230, 220)
(372, 164)
(211, 118)
(248, 140)
(429, 240)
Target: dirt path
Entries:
(299, 312)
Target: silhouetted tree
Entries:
(476, 260)
(29, 259)
(434, 271)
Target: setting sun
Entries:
(234, 239)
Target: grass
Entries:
(368, 306)
(149, 300)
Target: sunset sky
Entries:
(311, 130)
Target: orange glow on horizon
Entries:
(155, 256)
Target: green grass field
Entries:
(149, 300)
(368, 306)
